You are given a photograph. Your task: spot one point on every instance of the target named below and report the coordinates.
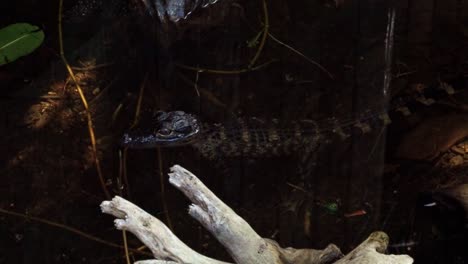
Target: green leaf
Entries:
(18, 40)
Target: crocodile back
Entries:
(255, 138)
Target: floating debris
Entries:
(356, 213)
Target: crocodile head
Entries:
(174, 128)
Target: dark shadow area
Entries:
(388, 157)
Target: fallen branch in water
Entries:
(234, 233)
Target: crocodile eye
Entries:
(164, 131)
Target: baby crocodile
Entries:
(251, 137)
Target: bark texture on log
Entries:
(233, 232)
(370, 252)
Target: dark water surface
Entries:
(334, 62)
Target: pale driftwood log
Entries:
(369, 252)
(153, 233)
(234, 233)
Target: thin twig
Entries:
(140, 99)
(297, 187)
(163, 191)
(103, 92)
(116, 112)
(399, 75)
(120, 188)
(71, 229)
(203, 92)
(124, 173)
(126, 249)
(85, 104)
(264, 36)
(202, 70)
(195, 84)
(302, 55)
